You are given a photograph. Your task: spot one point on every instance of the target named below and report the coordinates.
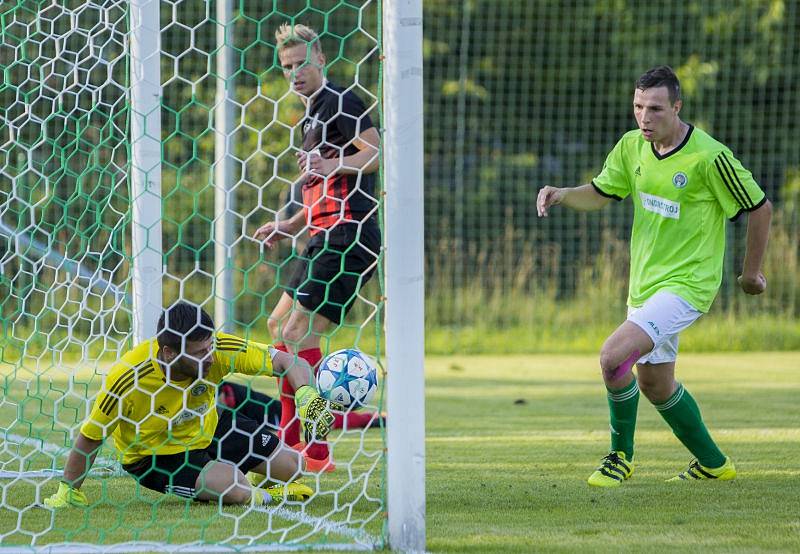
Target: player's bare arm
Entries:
(295, 368)
(583, 198)
(365, 161)
(273, 231)
(80, 460)
(752, 280)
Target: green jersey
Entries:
(681, 200)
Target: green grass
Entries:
(510, 442)
(121, 512)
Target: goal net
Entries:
(138, 155)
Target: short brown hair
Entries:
(183, 321)
(661, 76)
(291, 35)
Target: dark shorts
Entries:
(333, 267)
(238, 439)
(250, 403)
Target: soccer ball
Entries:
(348, 377)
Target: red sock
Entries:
(289, 431)
(227, 396)
(316, 450)
(355, 420)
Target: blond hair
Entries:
(291, 35)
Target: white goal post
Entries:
(405, 341)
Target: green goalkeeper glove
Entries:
(315, 417)
(66, 496)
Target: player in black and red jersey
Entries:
(337, 163)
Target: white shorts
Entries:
(662, 317)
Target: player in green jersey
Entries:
(683, 185)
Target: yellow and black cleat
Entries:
(613, 470)
(276, 494)
(697, 472)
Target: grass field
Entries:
(510, 442)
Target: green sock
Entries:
(683, 415)
(622, 406)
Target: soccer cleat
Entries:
(613, 470)
(256, 480)
(697, 472)
(292, 492)
(379, 421)
(313, 465)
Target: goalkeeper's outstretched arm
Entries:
(583, 198)
(294, 369)
(80, 460)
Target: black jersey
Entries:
(333, 119)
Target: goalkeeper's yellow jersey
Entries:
(148, 414)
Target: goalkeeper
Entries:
(683, 185)
(159, 404)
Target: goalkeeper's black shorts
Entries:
(238, 439)
(334, 266)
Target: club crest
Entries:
(680, 180)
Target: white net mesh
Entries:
(66, 286)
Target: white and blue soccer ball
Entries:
(348, 377)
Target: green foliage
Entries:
(513, 102)
(554, 81)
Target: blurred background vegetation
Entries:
(517, 95)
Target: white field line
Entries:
(322, 524)
(190, 548)
(112, 466)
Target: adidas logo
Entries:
(162, 410)
(638, 171)
(265, 440)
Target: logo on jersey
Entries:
(660, 206)
(188, 415)
(162, 410)
(680, 180)
(638, 171)
(311, 124)
(199, 390)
